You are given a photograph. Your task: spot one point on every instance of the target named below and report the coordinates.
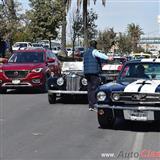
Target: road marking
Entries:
(138, 144)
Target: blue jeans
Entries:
(93, 83)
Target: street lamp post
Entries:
(158, 20)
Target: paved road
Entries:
(31, 129)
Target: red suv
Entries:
(28, 68)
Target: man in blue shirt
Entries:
(92, 69)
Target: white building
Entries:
(150, 43)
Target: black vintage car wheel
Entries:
(52, 98)
(106, 120)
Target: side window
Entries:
(129, 71)
(125, 72)
(47, 55)
(53, 55)
(50, 55)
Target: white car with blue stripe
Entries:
(134, 96)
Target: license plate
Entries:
(110, 78)
(138, 115)
(16, 81)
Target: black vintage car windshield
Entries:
(27, 57)
(135, 71)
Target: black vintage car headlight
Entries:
(60, 81)
(84, 81)
(115, 96)
(101, 96)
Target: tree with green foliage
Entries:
(106, 39)
(10, 20)
(124, 43)
(3, 19)
(75, 28)
(134, 32)
(84, 4)
(91, 26)
(66, 4)
(78, 28)
(45, 18)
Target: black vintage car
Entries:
(71, 81)
(135, 96)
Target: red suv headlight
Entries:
(37, 70)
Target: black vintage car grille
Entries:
(73, 82)
(16, 74)
(138, 98)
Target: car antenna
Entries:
(154, 59)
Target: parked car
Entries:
(56, 49)
(69, 51)
(37, 45)
(79, 51)
(135, 96)
(21, 45)
(154, 52)
(71, 81)
(141, 55)
(112, 68)
(28, 68)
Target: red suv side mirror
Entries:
(50, 60)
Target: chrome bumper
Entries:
(142, 108)
(66, 92)
(11, 85)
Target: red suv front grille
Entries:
(16, 74)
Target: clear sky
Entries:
(119, 13)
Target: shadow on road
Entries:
(72, 99)
(23, 91)
(136, 126)
(67, 99)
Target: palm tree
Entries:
(66, 5)
(134, 32)
(85, 4)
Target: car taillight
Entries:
(120, 67)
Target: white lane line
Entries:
(138, 144)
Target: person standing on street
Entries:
(92, 69)
(3, 47)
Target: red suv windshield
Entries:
(27, 57)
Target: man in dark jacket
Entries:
(92, 69)
(3, 48)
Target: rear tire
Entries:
(106, 120)
(52, 98)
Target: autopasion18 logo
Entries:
(144, 154)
